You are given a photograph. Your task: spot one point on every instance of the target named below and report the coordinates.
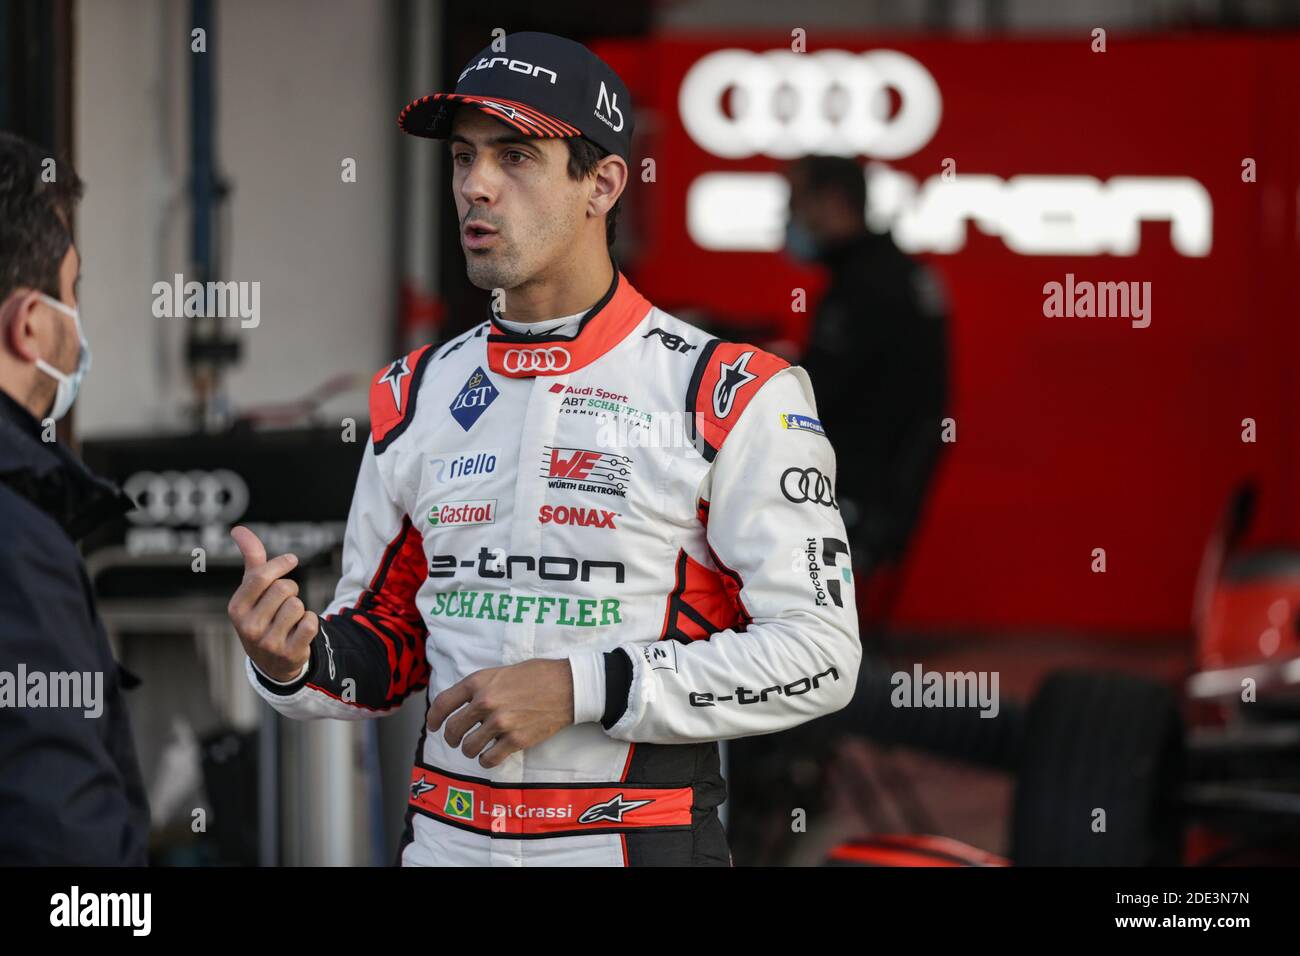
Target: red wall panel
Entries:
(1073, 433)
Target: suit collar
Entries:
(604, 326)
(51, 478)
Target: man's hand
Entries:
(274, 626)
(517, 706)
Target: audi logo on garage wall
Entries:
(736, 104)
(187, 497)
(786, 104)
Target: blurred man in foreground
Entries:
(877, 357)
(593, 599)
(70, 789)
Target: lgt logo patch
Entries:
(475, 396)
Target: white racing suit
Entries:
(650, 503)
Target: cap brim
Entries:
(430, 116)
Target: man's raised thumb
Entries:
(250, 547)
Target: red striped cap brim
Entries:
(430, 116)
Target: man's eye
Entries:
(460, 159)
(515, 156)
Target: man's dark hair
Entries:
(836, 174)
(35, 216)
(583, 157)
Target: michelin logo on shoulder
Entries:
(801, 423)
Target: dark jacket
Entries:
(70, 788)
(878, 359)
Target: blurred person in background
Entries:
(877, 356)
(589, 623)
(70, 787)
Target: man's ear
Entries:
(610, 181)
(17, 329)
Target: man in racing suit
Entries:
(603, 546)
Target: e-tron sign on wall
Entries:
(1010, 165)
(736, 104)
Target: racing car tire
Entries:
(1099, 741)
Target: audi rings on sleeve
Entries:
(808, 485)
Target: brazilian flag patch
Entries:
(460, 803)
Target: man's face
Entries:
(804, 206)
(54, 337)
(519, 211)
(68, 350)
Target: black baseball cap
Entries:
(541, 84)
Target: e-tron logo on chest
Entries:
(583, 469)
(472, 400)
(494, 563)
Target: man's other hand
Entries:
(517, 706)
(273, 624)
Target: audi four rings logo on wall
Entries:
(554, 359)
(786, 104)
(808, 484)
(187, 497)
(735, 104)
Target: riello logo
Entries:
(460, 513)
(584, 517)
